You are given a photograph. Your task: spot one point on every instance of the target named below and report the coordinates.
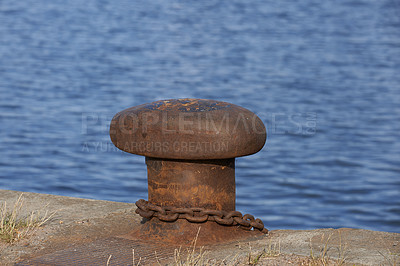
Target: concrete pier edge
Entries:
(81, 221)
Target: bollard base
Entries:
(183, 233)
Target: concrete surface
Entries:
(81, 223)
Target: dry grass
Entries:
(271, 255)
(271, 251)
(192, 257)
(13, 227)
(133, 259)
(323, 259)
(316, 258)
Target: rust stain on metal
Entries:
(188, 129)
(192, 183)
(190, 147)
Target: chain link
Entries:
(199, 215)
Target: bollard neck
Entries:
(179, 183)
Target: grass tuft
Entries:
(272, 250)
(13, 227)
(323, 258)
(193, 258)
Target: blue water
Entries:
(324, 76)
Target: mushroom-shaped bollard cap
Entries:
(192, 129)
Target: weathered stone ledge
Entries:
(81, 221)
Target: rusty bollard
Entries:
(190, 147)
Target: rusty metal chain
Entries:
(199, 215)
